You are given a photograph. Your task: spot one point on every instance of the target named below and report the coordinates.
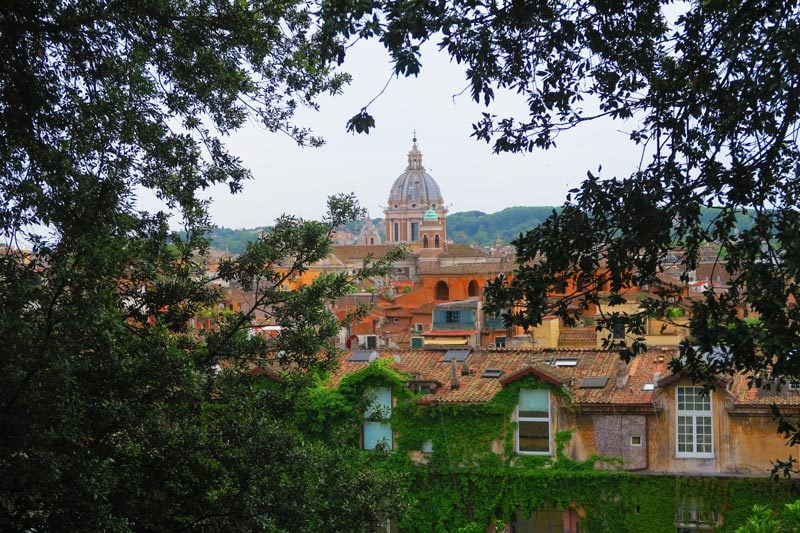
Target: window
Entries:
(417, 342)
(500, 342)
(372, 341)
(694, 429)
(414, 231)
(396, 232)
(419, 326)
(546, 520)
(424, 241)
(442, 291)
(691, 517)
(436, 241)
(533, 422)
(453, 317)
(473, 288)
(636, 440)
(377, 429)
(619, 330)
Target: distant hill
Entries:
(477, 227)
(234, 240)
(468, 227)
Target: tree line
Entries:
(465, 227)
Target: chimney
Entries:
(453, 375)
(622, 374)
(465, 368)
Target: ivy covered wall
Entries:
(445, 500)
(473, 478)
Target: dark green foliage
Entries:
(114, 416)
(607, 502)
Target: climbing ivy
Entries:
(473, 478)
(466, 434)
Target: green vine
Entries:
(472, 477)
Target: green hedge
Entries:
(469, 499)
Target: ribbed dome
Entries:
(415, 186)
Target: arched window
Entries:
(442, 291)
(424, 241)
(372, 240)
(473, 288)
(436, 241)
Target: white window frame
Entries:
(548, 419)
(694, 415)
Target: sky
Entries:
(294, 180)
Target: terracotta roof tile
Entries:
(478, 268)
(577, 335)
(462, 250)
(648, 368)
(351, 253)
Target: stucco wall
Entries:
(613, 437)
(744, 443)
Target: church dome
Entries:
(415, 187)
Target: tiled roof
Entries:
(478, 268)
(427, 365)
(577, 335)
(351, 253)
(763, 397)
(646, 369)
(544, 372)
(462, 250)
(460, 304)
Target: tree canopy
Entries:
(114, 415)
(714, 88)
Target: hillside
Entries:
(468, 227)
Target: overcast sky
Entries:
(289, 179)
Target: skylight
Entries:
(457, 355)
(363, 356)
(573, 361)
(594, 382)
